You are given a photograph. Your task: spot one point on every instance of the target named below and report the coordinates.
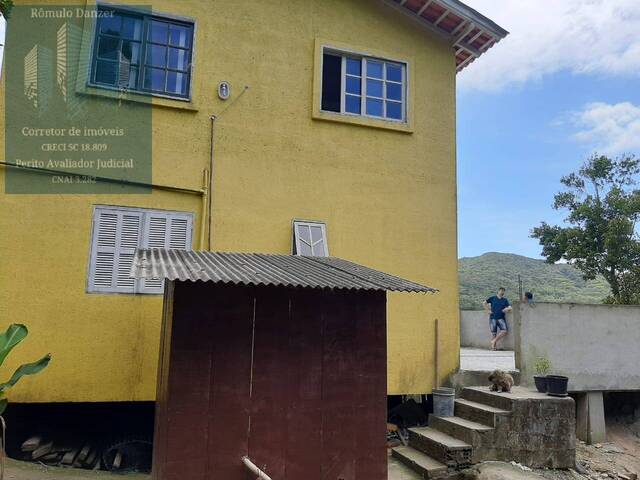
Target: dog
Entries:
(500, 381)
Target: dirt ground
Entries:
(618, 458)
(15, 470)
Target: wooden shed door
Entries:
(296, 380)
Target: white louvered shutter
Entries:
(129, 240)
(165, 230)
(115, 239)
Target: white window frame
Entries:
(364, 58)
(297, 239)
(145, 215)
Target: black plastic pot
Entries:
(557, 385)
(541, 383)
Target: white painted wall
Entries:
(475, 332)
(596, 346)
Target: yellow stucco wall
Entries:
(388, 197)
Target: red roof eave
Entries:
(470, 32)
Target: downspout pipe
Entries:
(204, 208)
(253, 468)
(210, 188)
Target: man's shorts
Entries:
(499, 324)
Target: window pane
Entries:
(131, 51)
(331, 78)
(374, 107)
(305, 249)
(110, 25)
(319, 251)
(159, 32)
(124, 74)
(394, 72)
(156, 55)
(316, 233)
(179, 36)
(353, 85)
(154, 79)
(303, 233)
(177, 83)
(106, 72)
(394, 91)
(129, 78)
(132, 28)
(354, 66)
(374, 88)
(108, 48)
(394, 110)
(178, 59)
(374, 69)
(352, 104)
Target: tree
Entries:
(5, 8)
(602, 233)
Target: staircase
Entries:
(523, 425)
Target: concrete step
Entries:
(424, 465)
(478, 412)
(451, 451)
(466, 378)
(474, 433)
(483, 395)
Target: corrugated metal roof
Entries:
(263, 269)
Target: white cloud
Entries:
(609, 129)
(581, 36)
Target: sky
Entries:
(562, 86)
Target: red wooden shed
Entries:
(271, 361)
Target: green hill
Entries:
(481, 276)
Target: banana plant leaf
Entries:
(26, 369)
(9, 339)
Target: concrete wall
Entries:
(475, 332)
(596, 346)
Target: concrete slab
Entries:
(539, 430)
(499, 471)
(520, 393)
(398, 471)
(476, 359)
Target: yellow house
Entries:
(315, 127)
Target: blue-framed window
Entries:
(364, 86)
(142, 53)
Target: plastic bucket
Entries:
(443, 401)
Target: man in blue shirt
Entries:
(497, 307)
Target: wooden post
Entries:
(437, 352)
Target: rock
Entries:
(580, 468)
(612, 449)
